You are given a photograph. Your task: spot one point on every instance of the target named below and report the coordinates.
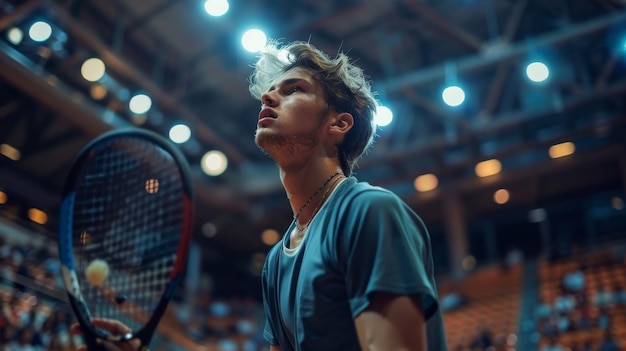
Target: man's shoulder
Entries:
(356, 188)
(360, 198)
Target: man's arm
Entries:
(392, 322)
(275, 348)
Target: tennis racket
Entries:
(125, 229)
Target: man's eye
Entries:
(294, 89)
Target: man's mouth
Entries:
(267, 113)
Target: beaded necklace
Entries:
(297, 215)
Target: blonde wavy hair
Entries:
(345, 86)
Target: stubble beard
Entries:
(283, 148)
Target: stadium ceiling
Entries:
(193, 67)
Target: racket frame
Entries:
(65, 241)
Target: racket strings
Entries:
(128, 212)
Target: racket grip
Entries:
(93, 345)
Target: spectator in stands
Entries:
(553, 345)
(21, 267)
(482, 340)
(574, 281)
(582, 319)
(14, 311)
(452, 300)
(548, 327)
(619, 294)
(575, 347)
(604, 297)
(500, 343)
(47, 331)
(608, 343)
(513, 257)
(22, 342)
(544, 309)
(565, 302)
(7, 336)
(564, 322)
(55, 344)
(5, 252)
(604, 319)
(588, 346)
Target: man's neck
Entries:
(300, 184)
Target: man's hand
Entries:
(112, 326)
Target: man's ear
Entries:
(341, 124)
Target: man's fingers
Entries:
(112, 326)
(75, 329)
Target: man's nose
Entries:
(268, 99)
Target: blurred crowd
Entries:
(31, 321)
(35, 317)
(579, 310)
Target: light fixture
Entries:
(254, 40)
(209, 229)
(40, 31)
(10, 152)
(617, 203)
(15, 36)
(270, 237)
(38, 216)
(501, 196)
(561, 150)
(216, 8)
(488, 168)
(180, 133)
(426, 182)
(140, 104)
(214, 163)
(537, 215)
(92, 69)
(453, 95)
(383, 116)
(537, 71)
(98, 91)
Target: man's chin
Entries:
(264, 139)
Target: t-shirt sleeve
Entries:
(384, 247)
(268, 333)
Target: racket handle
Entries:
(94, 345)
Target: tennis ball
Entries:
(97, 272)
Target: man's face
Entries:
(291, 116)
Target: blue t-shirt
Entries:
(364, 239)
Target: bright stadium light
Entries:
(216, 8)
(453, 96)
(15, 36)
(214, 163)
(253, 40)
(180, 133)
(537, 71)
(383, 116)
(40, 31)
(140, 104)
(92, 69)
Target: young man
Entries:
(354, 270)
